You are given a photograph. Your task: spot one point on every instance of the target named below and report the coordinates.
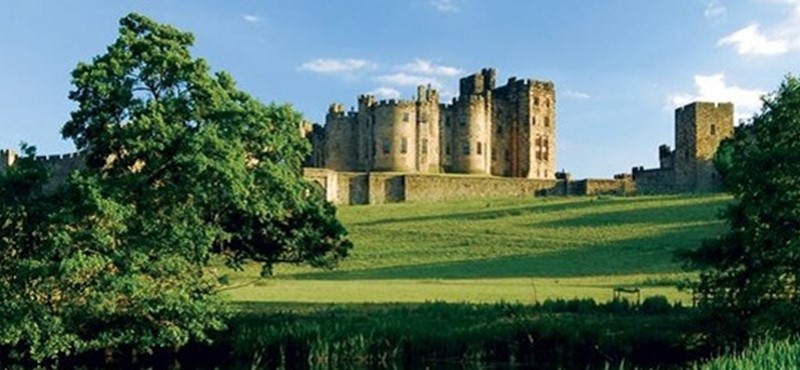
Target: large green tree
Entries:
(180, 165)
(750, 276)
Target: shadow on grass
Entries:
(545, 206)
(632, 256)
(706, 211)
(659, 212)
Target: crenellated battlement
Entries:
(698, 105)
(485, 130)
(395, 103)
(58, 157)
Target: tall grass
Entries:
(548, 335)
(767, 354)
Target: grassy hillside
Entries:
(514, 249)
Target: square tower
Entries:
(699, 129)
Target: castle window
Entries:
(547, 104)
(536, 101)
(713, 129)
(462, 120)
(447, 149)
(533, 120)
(538, 146)
(465, 148)
(545, 173)
(424, 146)
(480, 148)
(403, 146)
(546, 150)
(406, 116)
(387, 146)
(547, 122)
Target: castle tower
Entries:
(395, 135)
(542, 138)
(7, 159)
(365, 139)
(427, 135)
(699, 128)
(523, 143)
(470, 133)
(340, 129)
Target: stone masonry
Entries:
(699, 129)
(506, 131)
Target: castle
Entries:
(506, 131)
(406, 150)
(699, 129)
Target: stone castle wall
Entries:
(506, 131)
(352, 188)
(60, 166)
(699, 129)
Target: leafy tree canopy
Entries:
(180, 165)
(749, 277)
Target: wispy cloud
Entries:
(714, 88)
(386, 93)
(249, 18)
(405, 79)
(715, 9)
(576, 95)
(751, 41)
(336, 66)
(426, 67)
(775, 39)
(445, 6)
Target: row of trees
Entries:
(180, 166)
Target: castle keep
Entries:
(506, 131)
(699, 129)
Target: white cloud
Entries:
(750, 41)
(426, 67)
(715, 9)
(405, 79)
(576, 95)
(333, 66)
(714, 88)
(386, 93)
(445, 6)
(249, 18)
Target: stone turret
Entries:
(7, 159)
(468, 136)
(699, 129)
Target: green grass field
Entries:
(516, 250)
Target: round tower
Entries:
(472, 138)
(395, 136)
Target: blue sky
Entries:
(620, 66)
